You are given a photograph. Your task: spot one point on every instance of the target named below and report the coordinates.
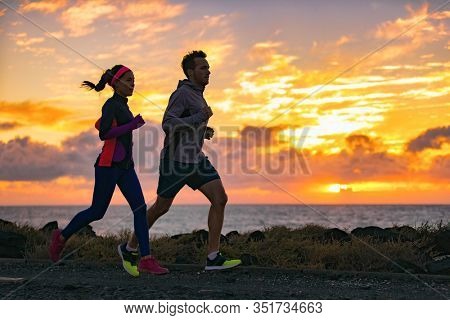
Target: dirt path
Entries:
(80, 280)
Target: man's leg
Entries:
(215, 192)
(157, 210)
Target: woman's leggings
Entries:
(106, 179)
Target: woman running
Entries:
(115, 166)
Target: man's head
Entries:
(196, 67)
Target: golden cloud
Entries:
(32, 113)
(4, 126)
(212, 35)
(423, 28)
(153, 9)
(45, 6)
(79, 19)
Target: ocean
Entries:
(243, 218)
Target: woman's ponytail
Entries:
(106, 78)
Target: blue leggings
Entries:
(106, 179)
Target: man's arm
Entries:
(173, 119)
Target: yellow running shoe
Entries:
(129, 260)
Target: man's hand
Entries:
(209, 133)
(207, 112)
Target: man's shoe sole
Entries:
(212, 268)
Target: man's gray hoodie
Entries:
(184, 124)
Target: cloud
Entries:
(145, 20)
(22, 159)
(153, 9)
(45, 6)
(32, 113)
(430, 29)
(2, 12)
(22, 40)
(213, 35)
(207, 26)
(422, 32)
(28, 44)
(344, 40)
(4, 126)
(79, 19)
(431, 139)
(362, 160)
(440, 168)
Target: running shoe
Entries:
(56, 245)
(221, 263)
(129, 260)
(151, 265)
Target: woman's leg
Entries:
(105, 183)
(131, 188)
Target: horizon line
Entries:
(242, 204)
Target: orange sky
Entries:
(312, 102)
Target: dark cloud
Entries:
(440, 167)
(363, 159)
(4, 126)
(430, 139)
(23, 159)
(240, 164)
(359, 143)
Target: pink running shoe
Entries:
(56, 246)
(151, 265)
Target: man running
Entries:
(183, 162)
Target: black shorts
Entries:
(174, 175)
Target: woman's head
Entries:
(119, 77)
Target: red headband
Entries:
(118, 75)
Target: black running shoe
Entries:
(129, 260)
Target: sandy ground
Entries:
(81, 280)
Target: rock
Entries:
(334, 234)
(87, 231)
(49, 227)
(178, 236)
(5, 223)
(439, 265)
(53, 225)
(256, 236)
(441, 242)
(12, 245)
(201, 236)
(376, 233)
(223, 239)
(405, 233)
(248, 259)
(232, 234)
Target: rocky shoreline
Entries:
(397, 249)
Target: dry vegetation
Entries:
(303, 248)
